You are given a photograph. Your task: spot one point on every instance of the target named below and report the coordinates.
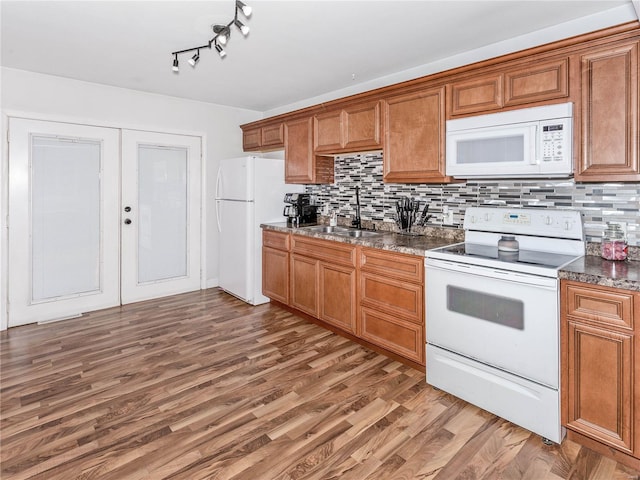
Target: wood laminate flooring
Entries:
(203, 386)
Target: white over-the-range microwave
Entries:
(529, 142)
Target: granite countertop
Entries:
(395, 242)
(591, 268)
(598, 271)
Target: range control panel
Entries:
(544, 222)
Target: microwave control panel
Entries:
(554, 139)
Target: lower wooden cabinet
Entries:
(599, 352)
(323, 281)
(304, 284)
(275, 265)
(392, 302)
(374, 295)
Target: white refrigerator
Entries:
(249, 191)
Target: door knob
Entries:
(127, 221)
(127, 209)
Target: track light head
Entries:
(193, 60)
(243, 28)
(220, 51)
(175, 67)
(246, 9)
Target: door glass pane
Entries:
(162, 216)
(65, 217)
(493, 308)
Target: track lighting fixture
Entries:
(221, 37)
(193, 60)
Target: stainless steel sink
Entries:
(327, 229)
(342, 231)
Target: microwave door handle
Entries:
(535, 148)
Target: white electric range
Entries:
(492, 316)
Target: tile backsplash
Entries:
(598, 202)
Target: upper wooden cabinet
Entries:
(414, 126)
(597, 71)
(520, 85)
(349, 129)
(609, 128)
(480, 94)
(268, 137)
(301, 165)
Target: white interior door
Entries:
(160, 215)
(63, 220)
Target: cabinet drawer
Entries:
(393, 296)
(277, 240)
(334, 252)
(399, 336)
(398, 265)
(600, 305)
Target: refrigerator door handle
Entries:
(218, 215)
(218, 183)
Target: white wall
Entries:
(55, 98)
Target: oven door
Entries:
(503, 319)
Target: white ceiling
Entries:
(296, 50)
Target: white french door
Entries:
(71, 246)
(160, 215)
(63, 220)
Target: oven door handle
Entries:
(508, 276)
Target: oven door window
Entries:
(504, 311)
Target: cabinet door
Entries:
(361, 127)
(275, 274)
(414, 137)
(600, 384)
(251, 139)
(272, 136)
(298, 151)
(609, 125)
(327, 132)
(481, 94)
(338, 296)
(304, 284)
(536, 83)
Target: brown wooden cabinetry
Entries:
(414, 137)
(599, 352)
(392, 302)
(268, 137)
(275, 265)
(301, 165)
(529, 85)
(609, 123)
(323, 280)
(349, 129)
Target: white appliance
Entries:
(494, 316)
(529, 142)
(249, 192)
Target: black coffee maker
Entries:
(298, 209)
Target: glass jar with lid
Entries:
(614, 244)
